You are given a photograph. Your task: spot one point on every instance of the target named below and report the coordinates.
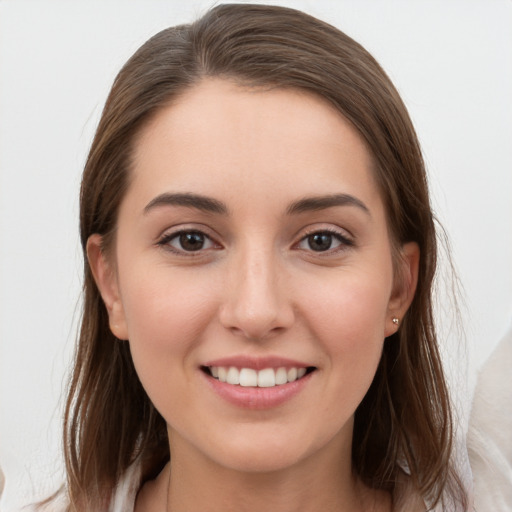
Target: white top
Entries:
(490, 432)
(126, 491)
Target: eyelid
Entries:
(345, 238)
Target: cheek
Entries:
(348, 317)
(350, 306)
(166, 306)
(166, 316)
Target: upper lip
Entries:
(257, 363)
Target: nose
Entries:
(257, 304)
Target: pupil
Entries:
(192, 241)
(320, 241)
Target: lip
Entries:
(257, 363)
(256, 398)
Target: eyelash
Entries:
(164, 242)
(344, 242)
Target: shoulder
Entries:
(125, 493)
(153, 494)
(406, 497)
(489, 439)
(411, 502)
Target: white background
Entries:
(451, 61)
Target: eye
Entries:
(187, 241)
(323, 241)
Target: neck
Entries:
(320, 482)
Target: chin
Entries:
(258, 461)
(265, 452)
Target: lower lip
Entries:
(257, 398)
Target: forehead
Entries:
(219, 135)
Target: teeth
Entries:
(266, 378)
(247, 377)
(292, 374)
(281, 376)
(233, 376)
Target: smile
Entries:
(249, 377)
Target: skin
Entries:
(256, 288)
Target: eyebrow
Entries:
(199, 202)
(315, 203)
(210, 205)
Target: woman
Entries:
(260, 251)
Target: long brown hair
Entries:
(404, 424)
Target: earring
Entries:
(396, 321)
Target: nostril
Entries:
(257, 334)
(256, 306)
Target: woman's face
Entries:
(252, 246)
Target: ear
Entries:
(406, 280)
(106, 281)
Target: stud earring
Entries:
(396, 321)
